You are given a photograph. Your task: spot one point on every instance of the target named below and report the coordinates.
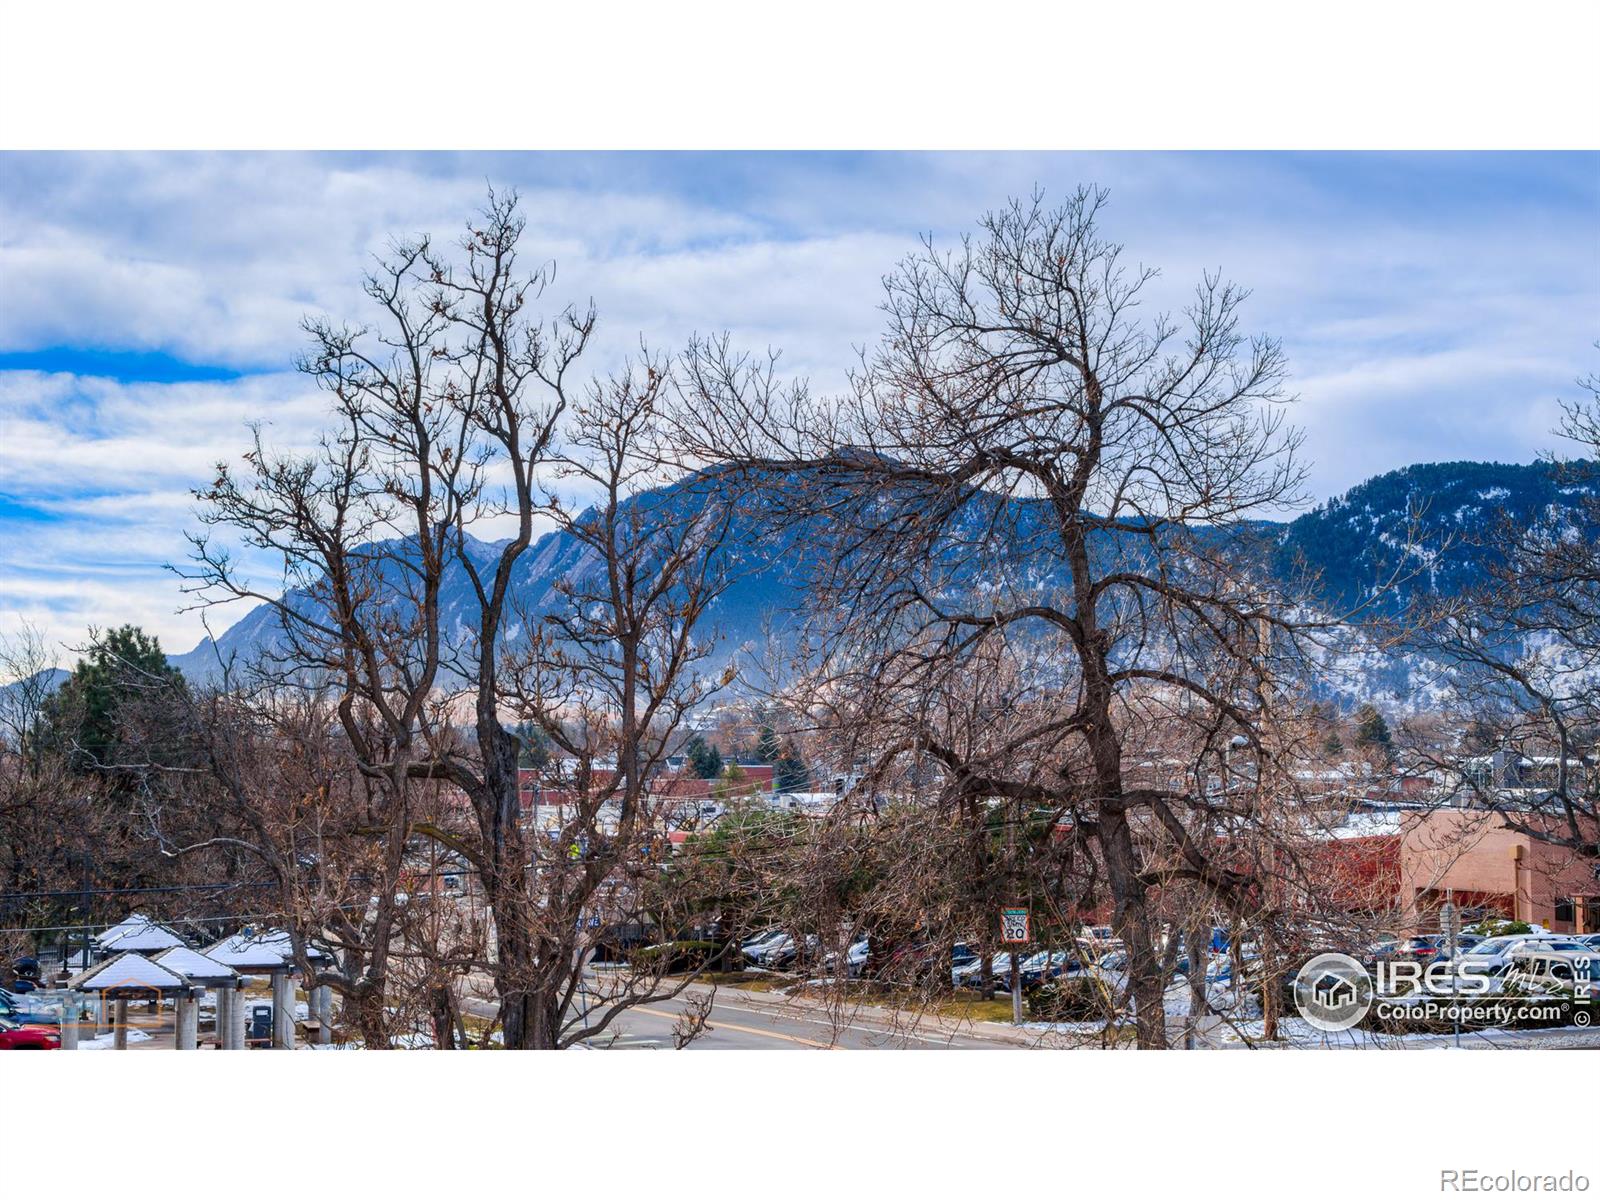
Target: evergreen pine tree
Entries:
(705, 760)
(1372, 731)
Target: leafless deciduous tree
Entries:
(1524, 648)
(456, 410)
(1028, 468)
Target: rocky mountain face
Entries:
(1426, 529)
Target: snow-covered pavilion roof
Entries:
(201, 968)
(280, 940)
(245, 952)
(131, 971)
(127, 925)
(259, 950)
(144, 937)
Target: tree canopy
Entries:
(85, 718)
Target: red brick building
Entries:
(1472, 856)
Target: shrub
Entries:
(671, 958)
(1070, 999)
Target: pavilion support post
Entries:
(71, 1013)
(238, 1017)
(322, 1009)
(102, 1019)
(224, 994)
(186, 1015)
(119, 1025)
(282, 1010)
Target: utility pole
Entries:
(1016, 988)
(1452, 921)
(1015, 960)
(1268, 947)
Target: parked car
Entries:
(1047, 965)
(1424, 947)
(762, 951)
(751, 944)
(1116, 960)
(1538, 977)
(1380, 949)
(14, 1035)
(803, 951)
(1497, 951)
(1543, 972)
(1098, 940)
(921, 960)
(970, 972)
(783, 951)
(855, 958)
(15, 1008)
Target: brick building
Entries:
(1490, 867)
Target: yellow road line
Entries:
(713, 1023)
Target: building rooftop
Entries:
(129, 971)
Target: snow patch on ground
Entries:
(108, 1041)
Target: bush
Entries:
(1079, 999)
(672, 958)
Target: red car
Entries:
(28, 1037)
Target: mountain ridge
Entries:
(1440, 516)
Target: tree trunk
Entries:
(1133, 926)
(1196, 941)
(514, 963)
(370, 1016)
(442, 1012)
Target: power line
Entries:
(171, 921)
(176, 887)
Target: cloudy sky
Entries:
(1433, 306)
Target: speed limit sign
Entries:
(1014, 926)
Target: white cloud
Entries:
(1432, 307)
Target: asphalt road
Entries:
(741, 1023)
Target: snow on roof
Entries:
(199, 967)
(264, 949)
(146, 937)
(244, 951)
(279, 939)
(1365, 825)
(127, 925)
(128, 970)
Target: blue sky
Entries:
(1433, 306)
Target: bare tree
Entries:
(28, 668)
(1026, 462)
(1524, 653)
(459, 412)
(281, 807)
